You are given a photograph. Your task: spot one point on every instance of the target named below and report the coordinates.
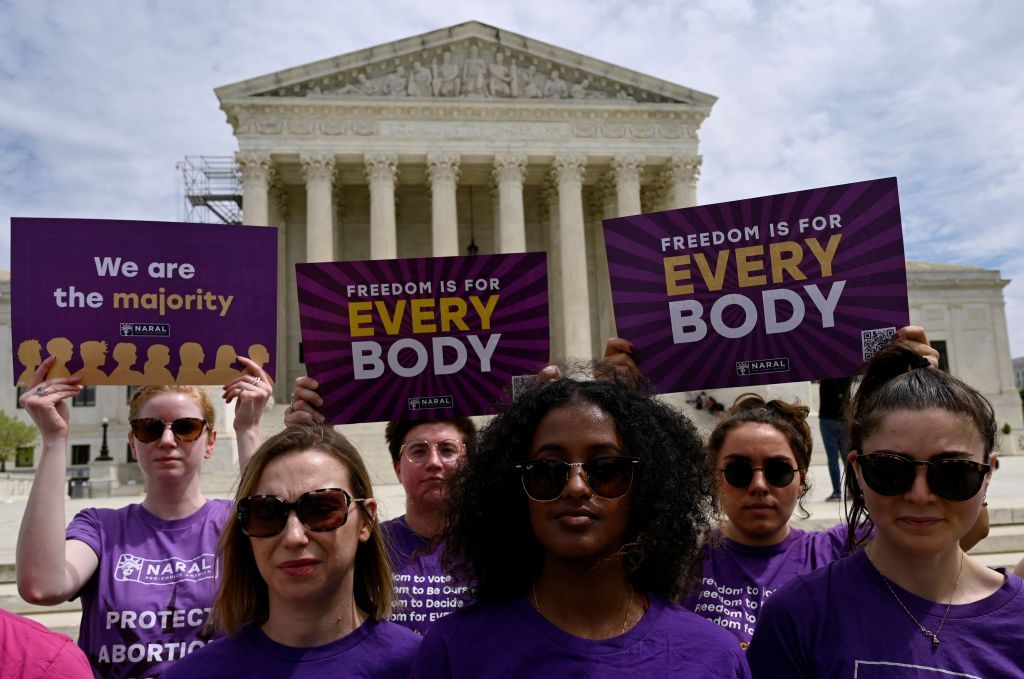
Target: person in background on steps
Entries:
(832, 395)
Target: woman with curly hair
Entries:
(577, 521)
(922, 453)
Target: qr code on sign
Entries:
(521, 383)
(873, 340)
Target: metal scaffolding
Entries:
(212, 189)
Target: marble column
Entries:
(278, 218)
(443, 175)
(627, 171)
(257, 173)
(318, 170)
(550, 198)
(568, 171)
(382, 173)
(680, 176)
(509, 172)
(603, 205)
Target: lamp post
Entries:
(104, 450)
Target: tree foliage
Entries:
(14, 434)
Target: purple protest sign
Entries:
(422, 338)
(124, 302)
(783, 288)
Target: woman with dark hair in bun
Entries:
(577, 521)
(911, 600)
(760, 453)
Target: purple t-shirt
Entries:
(513, 640)
(842, 621)
(147, 602)
(377, 648)
(424, 592)
(737, 579)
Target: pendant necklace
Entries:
(625, 619)
(933, 636)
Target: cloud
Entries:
(102, 99)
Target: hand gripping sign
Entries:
(796, 286)
(421, 338)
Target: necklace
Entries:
(934, 636)
(625, 618)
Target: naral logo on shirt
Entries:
(129, 329)
(764, 365)
(131, 568)
(431, 402)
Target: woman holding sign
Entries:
(922, 453)
(306, 581)
(760, 453)
(145, 572)
(577, 520)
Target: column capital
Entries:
(381, 167)
(317, 167)
(509, 167)
(628, 168)
(570, 167)
(443, 167)
(255, 165)
(682, 169)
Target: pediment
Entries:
(470, 61)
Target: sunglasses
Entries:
(889, 474)
(185, 429)
(418, 451)
(608, 477)
(777, 472)
(264, 516)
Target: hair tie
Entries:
(919, 361)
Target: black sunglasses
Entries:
(263, 516)
(149, 429)
(777, 472)
(952, 479)
(608, 477)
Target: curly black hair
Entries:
(897, 378)
(490, 542)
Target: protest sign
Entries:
(783, 288)
(126, 302)
(421, 338)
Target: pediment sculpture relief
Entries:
(471, 72)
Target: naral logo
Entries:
(431, 402)
(761, 366)
(131, 568)
(145, 330)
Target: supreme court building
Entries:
(467, 137)
(472, 138)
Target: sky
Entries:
(100, 100)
